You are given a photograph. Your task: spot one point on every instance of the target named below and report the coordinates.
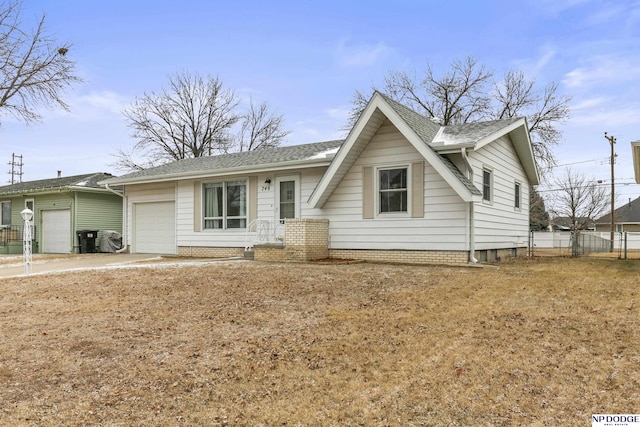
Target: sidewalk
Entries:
(13, 265)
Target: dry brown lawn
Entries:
(533, 342)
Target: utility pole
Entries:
(612, 141)
(16, 161)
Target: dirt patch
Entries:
(540, 342)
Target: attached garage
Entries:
(56, 231)
(154, 228)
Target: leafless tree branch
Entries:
(260, 128)
(194, 117)
(34, 67)
(464, 94)
(579, 199)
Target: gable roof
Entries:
(76, 182)
(431, 140)
(627, 213)
(477, 135)
(316, 154)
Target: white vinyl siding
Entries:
(498, 224)
(442, 227)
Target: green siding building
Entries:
(62, 206)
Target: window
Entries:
(393, 190)
(486, 185)
(517, 195)
(6, 212)
(225, 205)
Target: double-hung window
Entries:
(517, 195)
(486, 185)
(393, 190)
(224, 205)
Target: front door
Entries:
(287, 198)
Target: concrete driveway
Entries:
(13, 265)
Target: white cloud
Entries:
(96, 105)
(340, 113)
(105, 101)
(554, 7)
(349, 55)
(603, 71)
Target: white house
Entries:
(399, 188)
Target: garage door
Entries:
(154, 228)
(56, 231)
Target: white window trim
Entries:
(519, 206)
(224, 217)
(491, 185)
(406, 214)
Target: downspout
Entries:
(124, 217)
(472, 228)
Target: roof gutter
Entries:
(117, 193)
(221, 172)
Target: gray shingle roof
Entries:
(472, 132)
(81, 181)
(257, 158)
(466, 181)
(425, 128)
(630, 212)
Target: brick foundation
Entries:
(403, 257)
(209, 252)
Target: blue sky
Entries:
(307, 57)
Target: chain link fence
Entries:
(578, 243)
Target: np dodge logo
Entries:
(615, 420)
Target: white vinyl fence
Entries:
(587, 242)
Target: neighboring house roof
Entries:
(635, 152)
(629, 213)
(319, 153)
(565, 222)
(76, 182)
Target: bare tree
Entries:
(194, 117)
(579, 199)
(538, 215)
(468, 93)
(260, 128)
(545, 109)
(34, 67)
(190, 118)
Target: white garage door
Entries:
(56, 231)
(154, 228)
